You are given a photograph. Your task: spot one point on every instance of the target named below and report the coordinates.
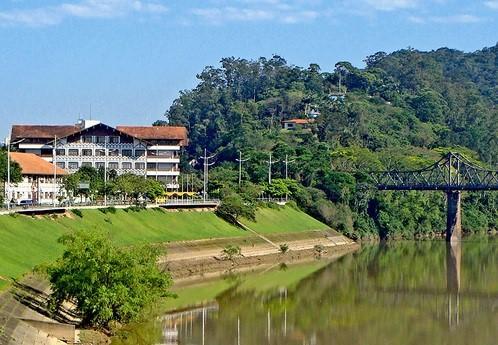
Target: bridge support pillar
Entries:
(453, 217)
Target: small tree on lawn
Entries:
(233, 206)
(105, 282)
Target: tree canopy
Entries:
(403, 110)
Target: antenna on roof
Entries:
(90, 111)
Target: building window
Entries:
(99, 165)
(114, 140)
(114, 152)
(151, 166)
(139, 153)
(127, 153)
(87, 139)
(100, 140)
(87, 152)
(73, 165)
(113, 165)
(140, 166)
(165, 166)
(61, 165)
(73, 152)
(86, 164)
(60, 152)
(166, 153)
(126, 165)
(100, 152)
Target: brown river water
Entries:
(396, 293)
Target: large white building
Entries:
(151, 151)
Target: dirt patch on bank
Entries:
(194, 259)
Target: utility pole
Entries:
(206, 160)
(287, 161)
(240, 160)
(55, 171)
(270, 163)
(7, 189)
(105, 170)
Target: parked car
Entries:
(25, 203)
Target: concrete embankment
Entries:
(192, 259)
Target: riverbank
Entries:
(192, 260)
(192, 242)
(24, 318)
(28, 241)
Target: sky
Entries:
(125, 61)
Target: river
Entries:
(397, 293)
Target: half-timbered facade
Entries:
(153, 152)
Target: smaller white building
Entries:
(38, 186)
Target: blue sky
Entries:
(128, 59)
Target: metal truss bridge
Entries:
(451, 174)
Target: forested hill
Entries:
(403, 109)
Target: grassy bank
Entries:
(28, 241)
(283, 219)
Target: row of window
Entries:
(100, 152)
(116, 152)
(117, 165)
(100, 139)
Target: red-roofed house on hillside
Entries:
(38, 185)
(293, 124)
(153, 152)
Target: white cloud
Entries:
(493, 4)
(52, 15)
(282, 11)
(450, 19)
(457, 19)
(391, 5)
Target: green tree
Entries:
(233, 206)
(105, 282)
(15, 172)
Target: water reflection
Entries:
(453, 264)
(398, 293)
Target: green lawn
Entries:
(27, 241)
(283, 219)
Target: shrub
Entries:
(319, 249)
(284, 248)
(77, 212)
(106, 283)
(110, 209)
(230, 252)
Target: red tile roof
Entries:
(156, 133)
(299, 121)
(41, 131)
(31, 164)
